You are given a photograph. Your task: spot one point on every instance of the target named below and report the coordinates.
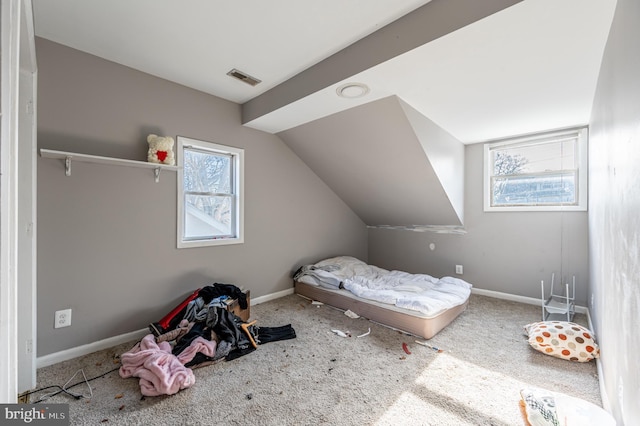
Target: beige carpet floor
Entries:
(321, 378)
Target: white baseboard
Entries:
(67, 354)
(516, 298)
(272, 296)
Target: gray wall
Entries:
(504, 252)
(614, 213)
(445, 154)
(107, 234)
(385, 160)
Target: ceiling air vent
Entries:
(243, 77)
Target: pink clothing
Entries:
(160, 372)
(207, 347)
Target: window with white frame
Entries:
(210, 194)
(543, 172)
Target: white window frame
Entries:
(237, 156)
(581, 175)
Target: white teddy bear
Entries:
(160, 150)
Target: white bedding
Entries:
(418, 292)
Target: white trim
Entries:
(238, 158)
(10, 16)
(271, 296)
(582, 165)
(67, 354)
(516, 298)
(27, 202)
(110, 342)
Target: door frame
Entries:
(18, 147)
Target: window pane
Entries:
(207, 216)
(541, 172)
(207, 172)
(534, 190)
(536, 158)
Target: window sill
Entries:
(513, 209)
(210, 243)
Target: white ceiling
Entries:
(530, 67)
(196, 42)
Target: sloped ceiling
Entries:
(401, 186)
(482, 70)
(441, 73)
(372, 158)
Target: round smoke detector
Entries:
(352, 90)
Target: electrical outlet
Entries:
(63, 318)
(459, 269)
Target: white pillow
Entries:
(546, 408)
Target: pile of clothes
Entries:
(198, 331)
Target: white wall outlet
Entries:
(63, 318)
(459, 269)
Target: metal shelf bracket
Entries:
(67, 166)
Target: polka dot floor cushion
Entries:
(563, 339)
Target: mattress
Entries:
(416, 303)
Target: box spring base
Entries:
(412, 322)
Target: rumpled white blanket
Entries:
(418, 292)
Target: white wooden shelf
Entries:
(68, 157)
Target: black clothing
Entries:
(211, 292)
